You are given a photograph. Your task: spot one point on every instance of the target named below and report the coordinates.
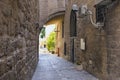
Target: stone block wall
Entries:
(48, 8)
(113, 40)
(101, 56)
(93, 58)
(18, 39)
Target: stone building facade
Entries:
(101, 54)
(19, 28)
(50, 9)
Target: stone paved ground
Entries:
(51, 67)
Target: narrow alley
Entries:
(51, 67)
(33, 33)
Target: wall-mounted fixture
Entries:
(82, 44)
(84, 11)
(100, 6)
(75, 7)
(56, 30)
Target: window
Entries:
(73, 27)
(64, 48)
(62, 29)
(100, 13)
(101, 9)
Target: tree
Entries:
(42, 33)
(50, 43)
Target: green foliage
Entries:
(50, 43)
(42, 33)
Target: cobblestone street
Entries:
(51, 67)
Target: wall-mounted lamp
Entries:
(75, 7)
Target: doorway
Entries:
(72, 51)
(73, 34)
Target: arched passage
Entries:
(53, 16)
(57, 19)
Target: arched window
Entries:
(73, 27)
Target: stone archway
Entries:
(52, 16)
(57, 19)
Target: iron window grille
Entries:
(100, 13)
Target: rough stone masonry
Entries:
(101, 56)
(18, 38)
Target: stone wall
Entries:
(18, 39)
(49, 7)
(93, 57)
(113, 40)
(101, 56)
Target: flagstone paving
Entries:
(51, 67)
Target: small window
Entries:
(64, 48)
(62, 29)
(100, 13)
